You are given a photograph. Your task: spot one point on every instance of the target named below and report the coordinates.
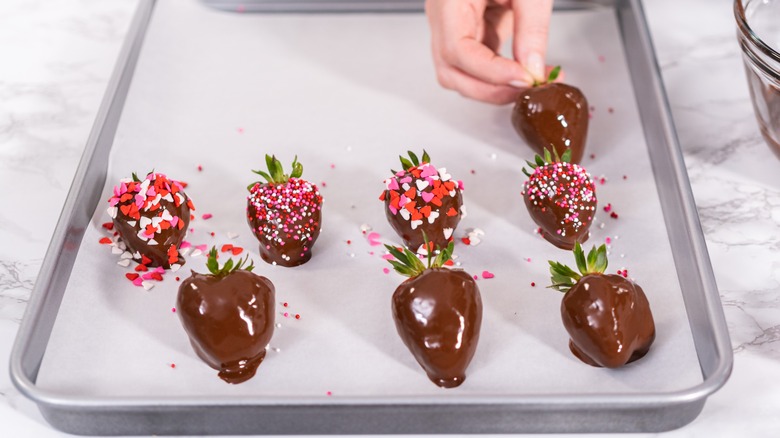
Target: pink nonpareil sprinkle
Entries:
(200, 168)
(608, 240)
(602, 58)
(487, 274)
(240, 130)
(386, 270)
(207, 216)
(388, 257)
(332, 166)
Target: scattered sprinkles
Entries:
(207, 216)
(487, 274)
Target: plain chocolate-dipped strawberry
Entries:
(438, 314)
(607, 316)
(229, 317)
(151, 217)
(553, 115)
(284, 214)
(422, 200)
(561, 199)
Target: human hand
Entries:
(466, 36)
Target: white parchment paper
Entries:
(348, 94)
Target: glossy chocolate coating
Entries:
(438, 315)
(229, 320)
(553, 114)
(608, 319)
(563, 207)
(413, 238)
(287, 224)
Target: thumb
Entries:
(532, 22)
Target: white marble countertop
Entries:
(55, 60)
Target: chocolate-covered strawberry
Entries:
(553, 115)
(561, 199)
(438, 314)
(421, 199)
(151, 216)
(607, 316)
(229, 317)
(284, 213)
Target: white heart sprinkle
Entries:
(151, 242)
(232, 235)
(126, 255)
(416, 224)
(184, 251)
(115, 250)
(405, 214)
(124, 263)
(365, 228)
(112, 212)
(421, 184)
(145, 221)
(147, 285)
(175, 267)
(197, 252)
(448, 232)
(121, 245)
(131, 223)
(444, 175)
(432, 217)
(406, 186)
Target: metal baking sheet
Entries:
(347, 93)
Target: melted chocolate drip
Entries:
(553, 114)
(413, 238)
(438, 315)
(229, 320)
(608, 319)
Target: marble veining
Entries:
(56, 57)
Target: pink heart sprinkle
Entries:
(138, 281)
(427, 196)
(392, 184)
(388, 257)
(202, 247)
(373, 239)
(185, 244)
(487, 274)
(428, 170)
(207, 216)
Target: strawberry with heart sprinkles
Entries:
(151, 217)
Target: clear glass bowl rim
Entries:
(746, 31)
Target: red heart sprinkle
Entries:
(237, 250)
(131, 276)
(108, 225)
(105, 241)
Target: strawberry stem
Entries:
(564, 278)
(554, 73)
(230, 266)
(409, 264)
(548, 158)
(275, 174)
(413, 161)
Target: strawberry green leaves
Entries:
(564, 278)
(275, 174)
(413, 161)
(554, 73)
(409, 264)
(230, 266)
(548, 158)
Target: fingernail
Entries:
(535, 65)
(518, 84)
